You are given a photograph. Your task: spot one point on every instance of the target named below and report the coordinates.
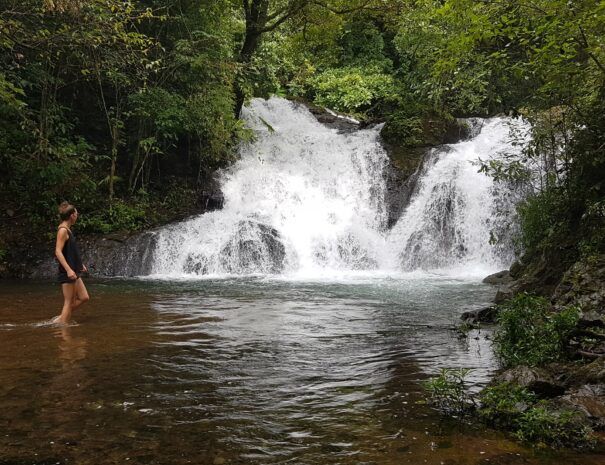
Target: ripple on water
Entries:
(256, 371)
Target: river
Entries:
(247, 370)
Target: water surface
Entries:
(246, 371)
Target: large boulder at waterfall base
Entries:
(253, 248)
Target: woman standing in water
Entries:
(70, 264)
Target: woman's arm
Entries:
(62, 237)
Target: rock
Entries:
(483, 315)
(540, 274)
(592, 373)
(505, 293)
(537, 380)
(589, 400)
(253, 248)
(118, 254)
(583, 284)
(211, 197)
(591, 319)
(332, 119)
(401, 176)
(501, 277)
(507, 286)
(515, 269)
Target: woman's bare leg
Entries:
(68, 296)
(80, 295)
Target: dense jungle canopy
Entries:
(125, 108)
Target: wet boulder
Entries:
(253, 248)
(117, 254)
(482, 315)
(537, 380)
(499, 278)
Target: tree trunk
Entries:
(114, 157)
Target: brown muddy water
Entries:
(244, 371)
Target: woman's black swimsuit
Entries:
(72, 257)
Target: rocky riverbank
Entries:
(574, 386)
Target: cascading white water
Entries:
(301, 198)
(459, 217)
(306, 199)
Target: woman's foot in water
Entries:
(58, 321)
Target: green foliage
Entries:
(448, 391)
(478, 57)
(541, 220)
(99, 100)
(121, 216)
(404, 129)
(503, 403)
(362, 45)
(530, 334)
(538, 423)
(543, 427)
(352, 89)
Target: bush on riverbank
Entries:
(543, 427)
(512, 408)
(530, 333)
(448, 391)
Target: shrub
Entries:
(404, 129)
(503, 404)
(353, 89)
(543, 218)
(542, 426)
(448, 391)
(530, 334)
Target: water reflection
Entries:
(244, 372)
(72, 348)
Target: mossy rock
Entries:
(583, 284)
(409, 131)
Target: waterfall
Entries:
(457, 216)
(301, 197)
(306, 199)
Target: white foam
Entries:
(308, 203)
